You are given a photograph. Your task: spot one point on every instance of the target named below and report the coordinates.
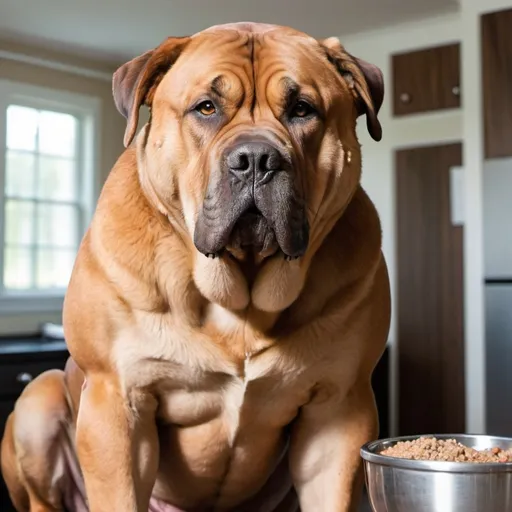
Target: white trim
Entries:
(88, 109)
(473, 156)
(55, 65)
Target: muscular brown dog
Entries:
(230, 299)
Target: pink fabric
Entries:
(74, 495)
(160, 506)
(74, 488)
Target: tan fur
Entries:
(246, 372)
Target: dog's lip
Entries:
(254, 233)
(252, 211)
(241, 254)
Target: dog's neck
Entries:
(270, 285)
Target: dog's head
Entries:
(252, 146)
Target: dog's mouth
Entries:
(252, 235)
(256, 226)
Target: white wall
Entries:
(465, 125)
(378, 157)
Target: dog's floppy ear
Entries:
(134, 83)
(364, 79)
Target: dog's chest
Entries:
(197, 383)
(260, 395)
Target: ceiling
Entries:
(116, 30)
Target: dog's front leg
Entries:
(325, 449)
(117, 446)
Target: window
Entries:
(48, 189)
(42, 208)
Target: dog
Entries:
(230, 299)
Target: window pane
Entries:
(17, 268)
(57, 134)
(54, 268)
(19, 222)
(21, 127)
(20, 174)
(57, 178)
(57, 225)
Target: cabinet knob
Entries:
(456, 90)
(405, 97)
(24, 378)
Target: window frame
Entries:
(88, 110)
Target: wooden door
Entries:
(430, 293)
(497, 83)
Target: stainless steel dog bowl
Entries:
(404, 485)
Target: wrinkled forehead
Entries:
(228, 61)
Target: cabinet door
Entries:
(16, 371)
(497, 82)
(15, 376)
(426, 80)
(430, 293)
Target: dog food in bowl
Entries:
(430, 448)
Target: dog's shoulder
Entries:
(127, 229)
(121, 246)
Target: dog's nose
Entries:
(255, 157)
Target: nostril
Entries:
(244, 162)
(255, 156)
(263, 163)
(239, 161)
(270, 161)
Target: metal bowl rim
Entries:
(369, 454)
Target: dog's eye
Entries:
(206, 108)
(302, 109)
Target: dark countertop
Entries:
(30, 345)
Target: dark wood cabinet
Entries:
(426, 80)
(21, 361)
(496, 31)
(430, 298)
